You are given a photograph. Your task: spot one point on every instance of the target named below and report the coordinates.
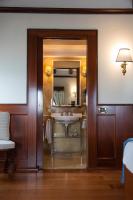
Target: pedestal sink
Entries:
(66, 119)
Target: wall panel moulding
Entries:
(66, 10)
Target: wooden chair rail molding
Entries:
(66, 10)
(14, 108)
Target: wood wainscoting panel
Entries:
(106, 140)
(19, 131)
(124, 128)
(2, 159)
(114, 126)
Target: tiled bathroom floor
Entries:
(64, 161)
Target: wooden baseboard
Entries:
(28, 170)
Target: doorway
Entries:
(64, 104)
(35, 50)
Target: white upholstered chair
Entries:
(6, 144)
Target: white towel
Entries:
(84, 124)
(48, 131)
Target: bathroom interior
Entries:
(64, 104)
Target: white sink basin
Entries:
(67, 118)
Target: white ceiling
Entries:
(69, 3)
(64, 48)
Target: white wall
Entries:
(69, 3)
(114, 31)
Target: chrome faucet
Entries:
(66, 112)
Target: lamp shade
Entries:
(124, 55)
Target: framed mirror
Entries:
(66, 86)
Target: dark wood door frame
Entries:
(35, 59)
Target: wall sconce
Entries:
(83, 71)
(124, 56)
(48, 70)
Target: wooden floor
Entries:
(100, 185)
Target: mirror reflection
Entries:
(66, 86)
